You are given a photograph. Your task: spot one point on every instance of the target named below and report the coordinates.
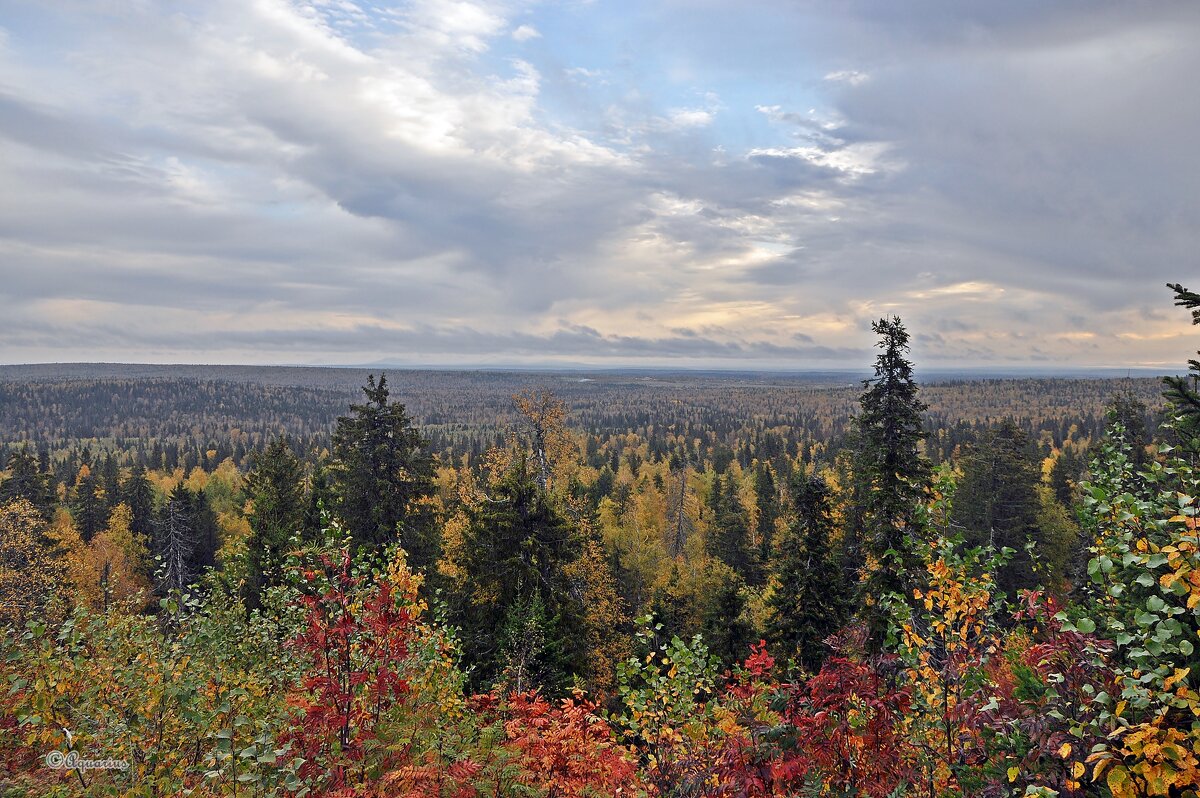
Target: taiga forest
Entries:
(599, 399)
(654, 584)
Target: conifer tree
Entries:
(277, 496)
(26, 481)
(109, 475)
(809, 601)
(997, 503)
(381, 474)
(206, 534)
(138, 494)
(1064, 475)
(523, 645)
(321, 500)
(517, 546)
(1184, 392)
(767, 500)
(87, 505)
(1130, 412)
(679, 519)
(729, 530)
(723, 625)
(891, 475)
(174, 541)
(669, 605)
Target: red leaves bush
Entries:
(568, 750)
(846, 726)
(357, 642)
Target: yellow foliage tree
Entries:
(75, 556)
(544, 414)
(117, 564)
(30, 570)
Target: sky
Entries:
(684, 183)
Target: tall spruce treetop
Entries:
(381, 472)
(890, 432)
(1184, 392)
(891, 476)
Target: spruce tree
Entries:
(173, 542)
(186, 539)
(997, 503)
(138, 493)
(1130, 412)
(525, 659)
(767, 501)
(515, 549)
(809, 601)
(891, 475)
(729, 531)
(723, 625)
(1065, 474)
(381, 472)
(88, 507)
(1184, 392)
(26, 481)
(277, 496)
(321, 500)
(206, 534)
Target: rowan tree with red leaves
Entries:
(357, 638)
(845, 725)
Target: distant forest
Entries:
(168, 417)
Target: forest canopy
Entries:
(668, 585)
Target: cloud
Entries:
(690, 117)
(851, 76)
(523, 33)
(344, 182)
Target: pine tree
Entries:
(277, 496)
(891, 475)
(381, 474)
(1184, 392)
(809, 601)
